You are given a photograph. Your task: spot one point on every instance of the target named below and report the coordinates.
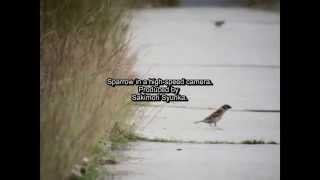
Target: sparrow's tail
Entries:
(196, 122)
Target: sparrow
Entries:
(215, 116)
(219, 23)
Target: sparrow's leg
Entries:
(215, 124)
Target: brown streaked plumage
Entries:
(215, 116)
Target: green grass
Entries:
(158, 3)
(163, 140)
(94, 168)
(105, 150)
(92, 173)
(254, 141)
(268, 5)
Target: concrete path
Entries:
(198, 162)
(242, 59)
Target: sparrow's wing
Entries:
(216, 113)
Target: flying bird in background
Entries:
(215, 116)
(219, 23)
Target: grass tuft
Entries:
(163, 140)
(157, 3)
(82, 42)
(254, 141)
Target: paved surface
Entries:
(242, 59)
(161, 161)
(172, 123)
